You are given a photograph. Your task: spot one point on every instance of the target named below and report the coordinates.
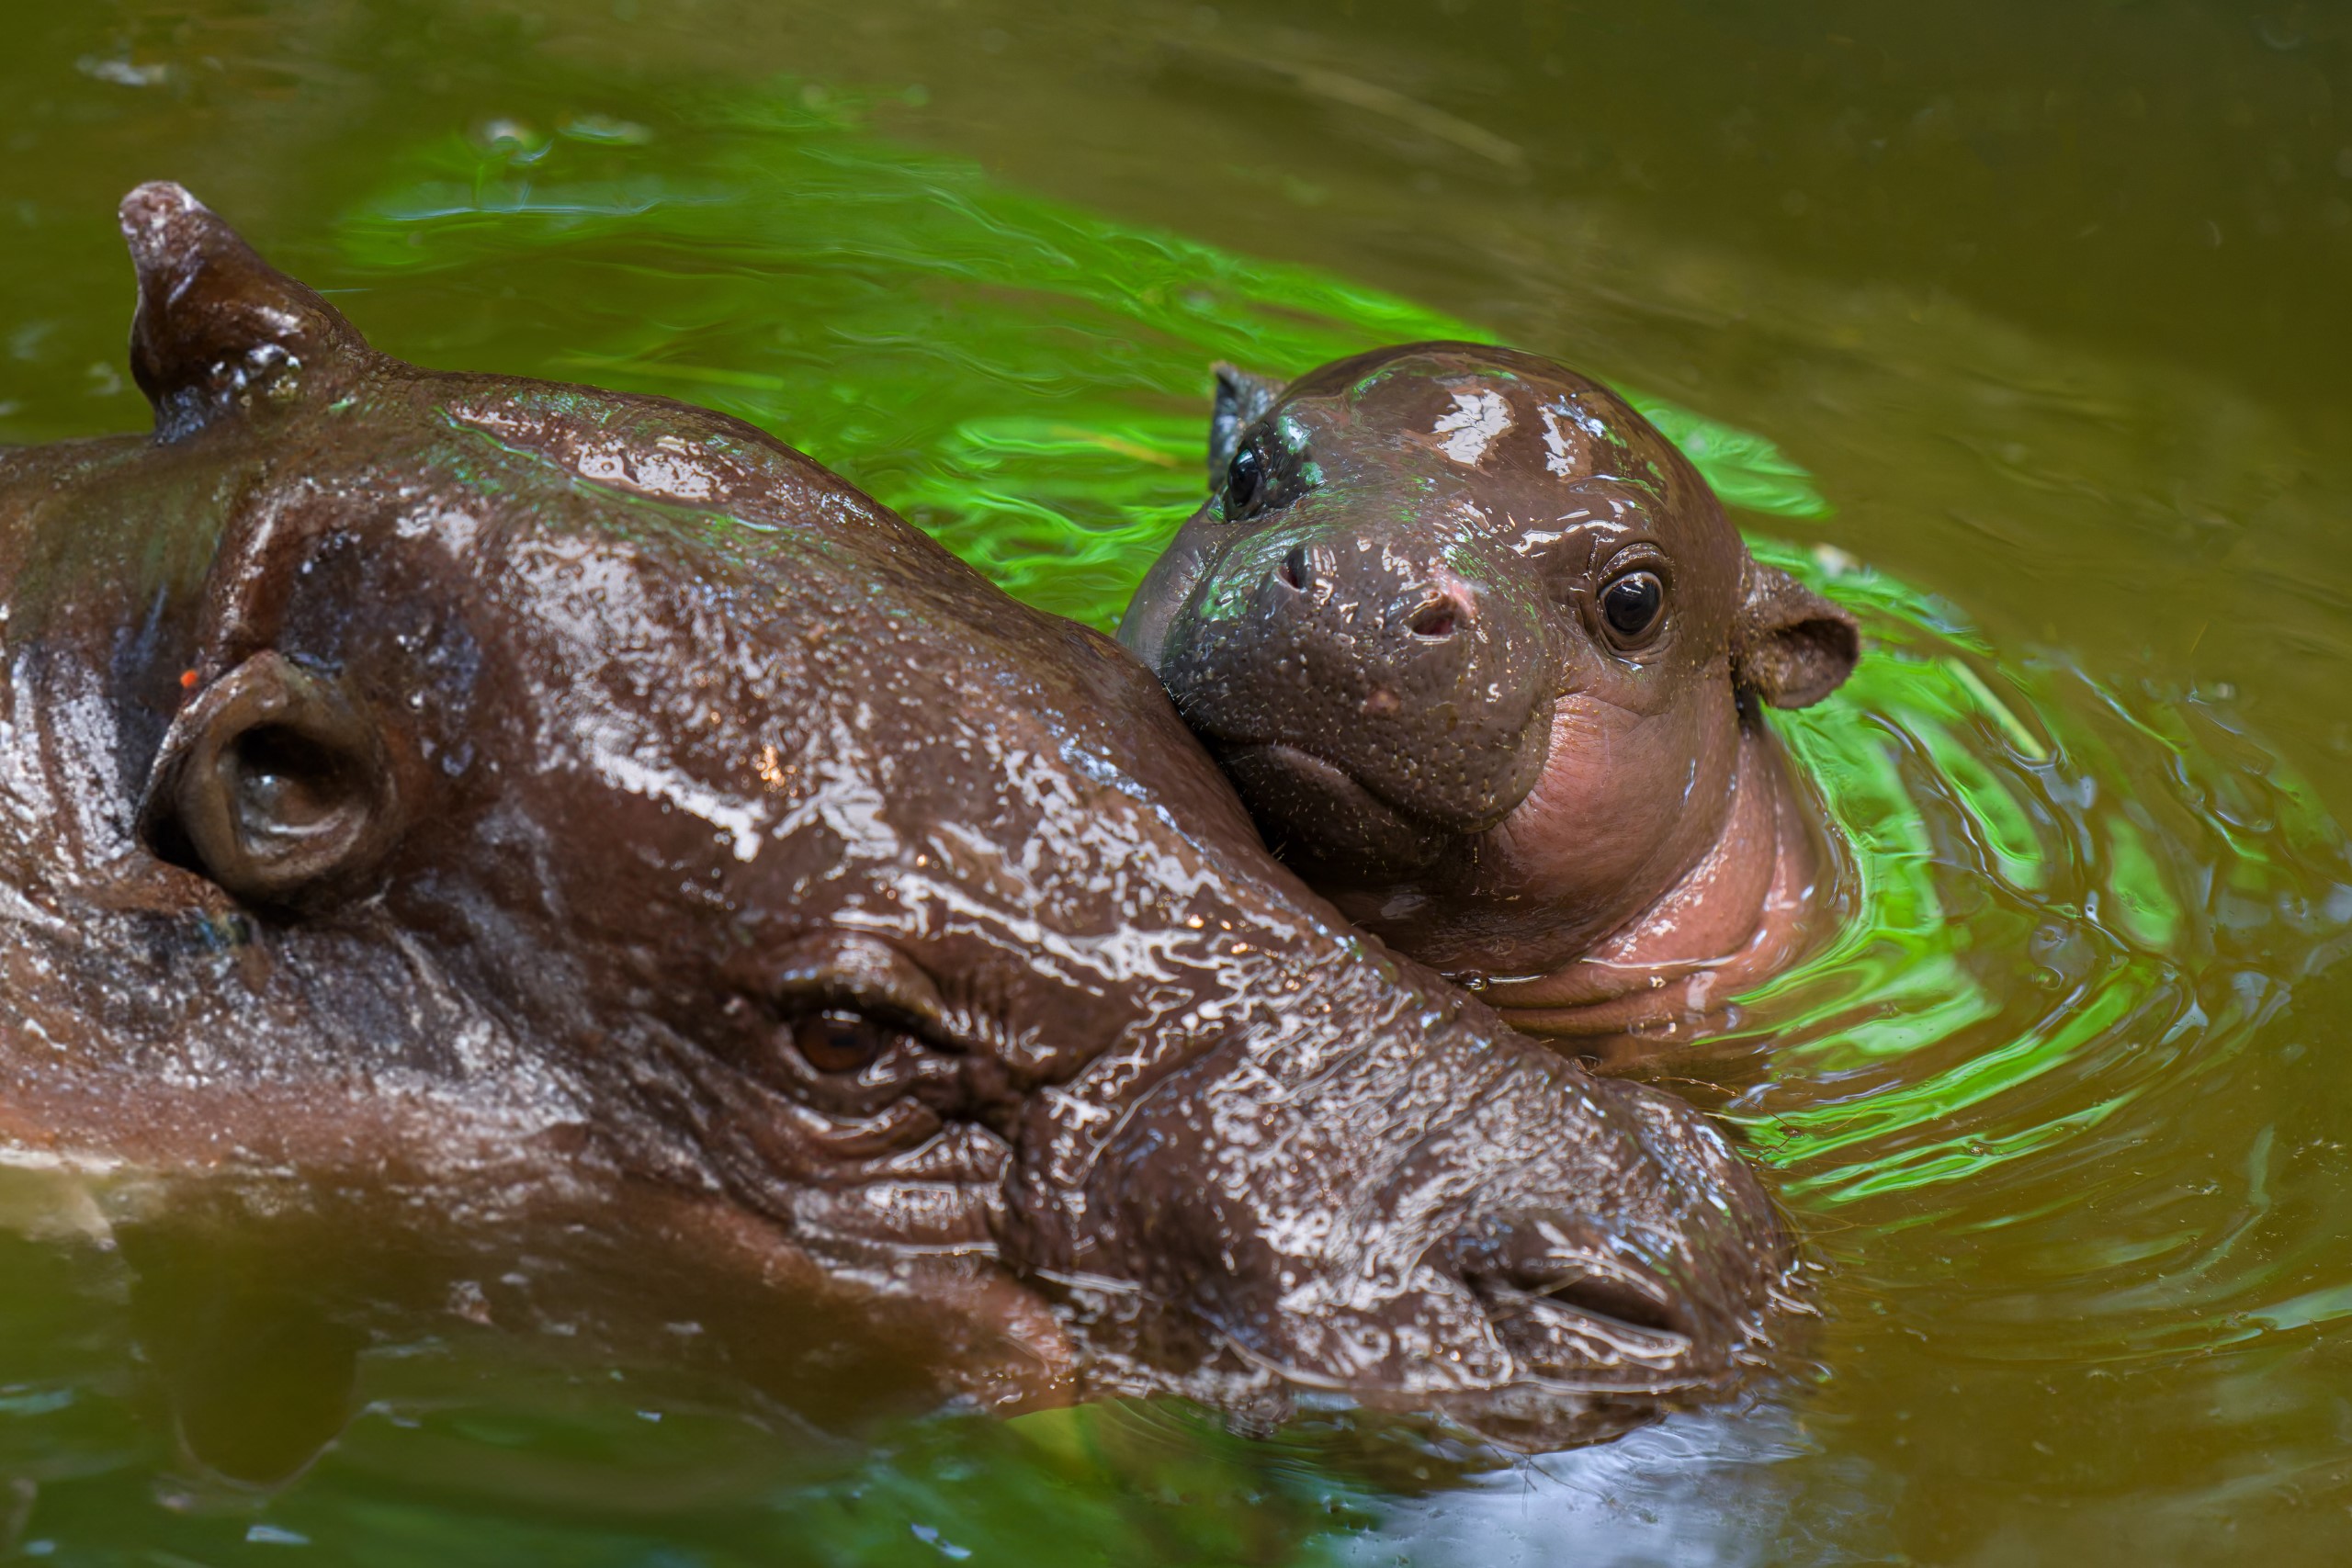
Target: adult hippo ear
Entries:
(218, 328)
(1788, 645)
(270, 782)
(276, 786)
(1241, 400)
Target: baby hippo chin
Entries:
(1485, 659)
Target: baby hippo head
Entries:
(1476, 643)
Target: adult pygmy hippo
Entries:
(590, 822)
(1485, 658)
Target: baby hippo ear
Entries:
(217, 326)
(1790, 646)
(1241, 398)
(273, 785)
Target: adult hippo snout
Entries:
(1433, 1237)
(599, 829)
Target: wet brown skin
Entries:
(576, 847)
(1486, 661)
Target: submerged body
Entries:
(1487, 660)
(584, 839)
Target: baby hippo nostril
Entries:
(1296, 571)
(1435, 621)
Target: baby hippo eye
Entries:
(1245, 484)
(841, 1041)
(1632, 606)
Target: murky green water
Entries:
(2021, 329)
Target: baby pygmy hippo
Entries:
(1485, 658)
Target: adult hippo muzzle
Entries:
(577, 816)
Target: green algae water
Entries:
(2022, 338)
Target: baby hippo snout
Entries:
(1410, 622)
(1371, 696)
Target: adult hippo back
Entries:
(462, 807)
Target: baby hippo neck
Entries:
(1745, 909)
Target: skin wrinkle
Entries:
(1444, 818)
(1132, 1104)
(1403, 1157)
(1430, 1134)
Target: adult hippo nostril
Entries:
(1619, 1300)
(1297, 570)
(1571, 1344)
(1565, 1292)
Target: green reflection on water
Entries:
(1025, 380)
(2012, 917)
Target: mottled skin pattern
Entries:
(579, 847)
(1486, 659)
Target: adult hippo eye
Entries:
(841, 1041)
(1632, 607)
(841, 1019)
(1245, 484)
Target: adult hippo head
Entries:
(1485, 659)
(591, 823)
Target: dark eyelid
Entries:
(849, 969)
(1641, 555)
